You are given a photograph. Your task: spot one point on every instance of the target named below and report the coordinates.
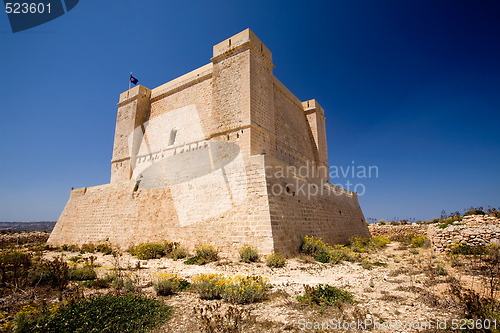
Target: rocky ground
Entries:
(402, 287)
(394, 286)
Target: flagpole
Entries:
(129, 80)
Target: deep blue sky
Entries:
(412, 87)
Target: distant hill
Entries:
(28, 226)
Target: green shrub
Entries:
(208, 286)
(169, 284)
(100, 283)
(323, 253)
(104, 248)
(475, 212)
(14, 266)
(327, 254)
(418, 241)
(149, 251)
(245, 289)
(276, 260)
(192, 261)
(465, 249)
(249, 254)
(237, 289)
(104, 313)
(359, 244)
(70, 248)
(85, 272)
(204, 254)
(53, 272)
(207, 253)
(168, 247)
(324, 257)
(340, 253)
(87, 248)
(444, 223)
(22, 320)
(179, 252)
(313, 246)
(378, 242)
(324, 294)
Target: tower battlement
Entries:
(246, 37)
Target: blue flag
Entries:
(133, 79)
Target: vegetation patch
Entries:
(249, 254)
(444, 223)
(149, 251)
(85, 272)
(465, 249)
(245, 289)
(169, 284)
(476, 306)
(338, 253)
(104, 313)
(324, 294)
(475, 211)
(70, 248)
(179, 252)
(208, 286)
(238, 289)
(362, 244)
(104, 248)
(101, 283)
(418, 241)
(276, 260)
(87, 248)
(14, 266)
(53, 272)
(204, 254)
(313, 246)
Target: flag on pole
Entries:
(133, 79)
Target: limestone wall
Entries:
(310, 207)
(295, 144)
(123, 216)
(398, 230)
(273, 220)
(472, 231)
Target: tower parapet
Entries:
(134, 107)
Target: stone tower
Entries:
(224, 155)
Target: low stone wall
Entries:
(397, 230)
(23, 237)
(473, 230)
